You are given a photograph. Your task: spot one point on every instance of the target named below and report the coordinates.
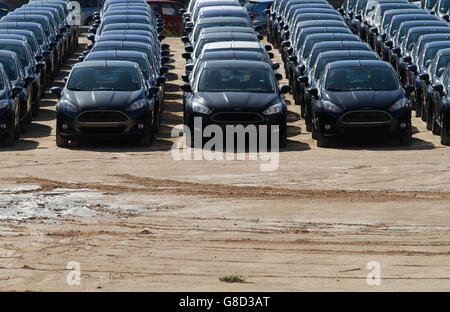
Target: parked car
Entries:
(9, 110)
(360, 98)
(441, 108)
(105, 98)
(236, 92)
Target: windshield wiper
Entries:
(75, 89)
(335, 89)
(104, 89)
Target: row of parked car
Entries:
(117, 88)
(230, 77)
(35, 39)
(343, 86)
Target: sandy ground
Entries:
(135, 219)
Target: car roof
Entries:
(335, 53)
(422, 28)
(221, 29)
(341, 43)
(231, 44)
(106, 63)
(12, 23)
(330, 35)
(360, 63)
(445, 51)
(228, 35)
(229, 8)
(435, 44)
(236, 63)
(122, 44)
(231, 54)
(12, 42)
(6, 53)
(221, 19)
(117, 53)
(417, 17)
(127, 17)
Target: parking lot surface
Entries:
(134, 218)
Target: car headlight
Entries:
(3, 104)
(198, 108)
(136, 105)
(274, 109)
(404, 102)
(327, 105)
(66, 105)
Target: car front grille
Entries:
(103, 130)
(102, 116)
(236, 117)
(366, 117)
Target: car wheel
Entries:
(146, 139)
(434, 125)
(157, 121)
(419, 107)
(10, 139)
(283, 135)
(61, 141)
(445, 137)
(406, 138)
(308, 119)
(322, 141)
(423, 113)
(429, 118)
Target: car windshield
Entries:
(20, 51)
(321, 63)
(444, 6)
(10, 67)
(429, 54)
(444, 61)
(104, 79)
(361, 79)
(236, 80)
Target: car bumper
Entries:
(76, 128)
(333, 125)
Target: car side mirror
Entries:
(182, 11)
(56, 91)
(86, 52)
(425, 77)
(413, 68)
(165, 53)
(303, 79)
(258, 28)
(163, 70)
(268, 47)
(409, 89)
(161, 37)
(159, 29)
(160, 80)
(186, 88)
(154, 90)
(287, 34)
(185, 39)
(341, 11)
(314, 92)
(81, 58)
(275, 65)
(383, 37)
(260, 36)
(185, 77)
(187, 29)
(446, 17)
(165, 60)
(189, 48)
(266, 11)
(189, 67)
(91, 38)
(389, 44)
(285, 89)
(396, 50)
(286, 43)
(165, 46)
(439, 88)
(293, 59)
(271, 55)
(302, 68)
(432, 12)
(189, 24)
(374, 30)
(29, 80)
(89, 46)
(16, 91)
(92, 30)
(408, 59)
(40, 66)
(39, 58)
(186, 55)
(358, 17)
(278, 76)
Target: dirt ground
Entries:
(133, 218)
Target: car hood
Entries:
(236, 101)
(364, 99)
(102, 99)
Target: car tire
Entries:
(322, 141)
(61, 141)
(283, 135)
(146, 139)
(434, 125)
(429, 118)
(445, 137)
(406, 138)
(10, 139)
